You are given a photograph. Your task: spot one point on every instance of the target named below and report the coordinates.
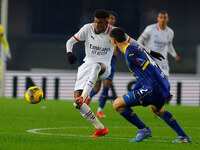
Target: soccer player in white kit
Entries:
(96, 64)
(158, 37)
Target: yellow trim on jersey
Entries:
(131, 54)
(145, 65)
(127, 95)
(126, 48)
(133, 94)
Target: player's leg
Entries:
(104, 95)
(88, 114)
(122, 105)
(96, 70)
(172, 122)
(93, 92)
(83, 108)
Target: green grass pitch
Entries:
(57, 125)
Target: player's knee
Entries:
(96, 66)
(156, 111)
(117, 106)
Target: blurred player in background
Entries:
(5, 44)
(108, 81)
(152, 88)
(158, 37)
(96, 66)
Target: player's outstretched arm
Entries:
(154, 54)
(69, 46)
(172, 52)
(141, 40)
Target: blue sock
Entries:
(171, 121)
(92, 93)
(131, 116)
(103, 97)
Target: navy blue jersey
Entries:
(145, 70)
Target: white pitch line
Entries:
(36, 131)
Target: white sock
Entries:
(99, 109)
(96, 68)
(87, 113)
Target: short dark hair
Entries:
(118, 34)
(162, 12)
(112, 13)
(101, 14)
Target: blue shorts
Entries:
(144, 95)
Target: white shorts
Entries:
(84, 72)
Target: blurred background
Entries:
(38, 29)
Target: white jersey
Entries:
(160, 41)
(97, 46)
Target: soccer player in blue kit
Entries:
(152, 88)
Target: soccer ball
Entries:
(34, 94)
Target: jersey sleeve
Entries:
(136, 60)
(82, 33)
(146, 33)
(170, 47)
(79, 36)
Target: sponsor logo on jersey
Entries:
(98, 50)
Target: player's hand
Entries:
(177, 58)
(8, 55)
(157, 55)
(71, 58)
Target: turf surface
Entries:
(60, 126)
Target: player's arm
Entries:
(69, 46)
(79, 36)
(154, 54)
(144, 37)
(5, 44)
(171, 50)
(133, 41)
